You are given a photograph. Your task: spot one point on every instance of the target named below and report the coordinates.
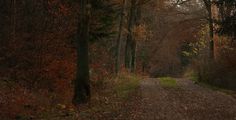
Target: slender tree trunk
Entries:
(143, 67)
(133, 56)
(118, 43)
(208, 5)
(13, 19)
(128, 52)
(212, 52)
(82, 83)
(128, 49)
(137, 18)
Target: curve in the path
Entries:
(188, 101)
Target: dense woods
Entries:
(64, 53)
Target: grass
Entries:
(126, 84)
(168, 82)
(191, 75)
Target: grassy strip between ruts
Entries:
(107, 102)
(168, 82)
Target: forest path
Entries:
(187, 101)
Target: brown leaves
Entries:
(141, 32)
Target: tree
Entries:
(208, 5)
(226, 17)
(118, 43)
(82, 85)
(130, 50)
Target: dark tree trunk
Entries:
(133, 56)
(137, 18)
(82, 84)
(13, 20)
(128, 52)
(130, 38)
(143, 67)
(211, 54)
(118, 44)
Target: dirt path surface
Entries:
(187, 101)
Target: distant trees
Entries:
(129, 22)
(226, 17)
(220, 69)
(226, 22)
(166, 19)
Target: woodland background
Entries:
(38, 56)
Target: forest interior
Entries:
(117, 60)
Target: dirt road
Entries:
(187, 101)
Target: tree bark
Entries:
(208, 5)
(13, 19)
(128, 52)
(130, 38)
(212, 52)
(137, 18)
(133, 56)
(118, 43)
(82, 82)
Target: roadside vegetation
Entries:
(107, 99)
(193, 76)
(111, 98)
(126, 84)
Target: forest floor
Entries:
(180, 100)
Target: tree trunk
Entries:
(130, 39)
(82, 83)
(13, 19)
(211, 54)
(137, 17)
(208, 5)
(143, 67)
(118, 43)
(128, 52)
(133, 56)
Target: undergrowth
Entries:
(109, 99)
(126, 84)
(192, 75)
